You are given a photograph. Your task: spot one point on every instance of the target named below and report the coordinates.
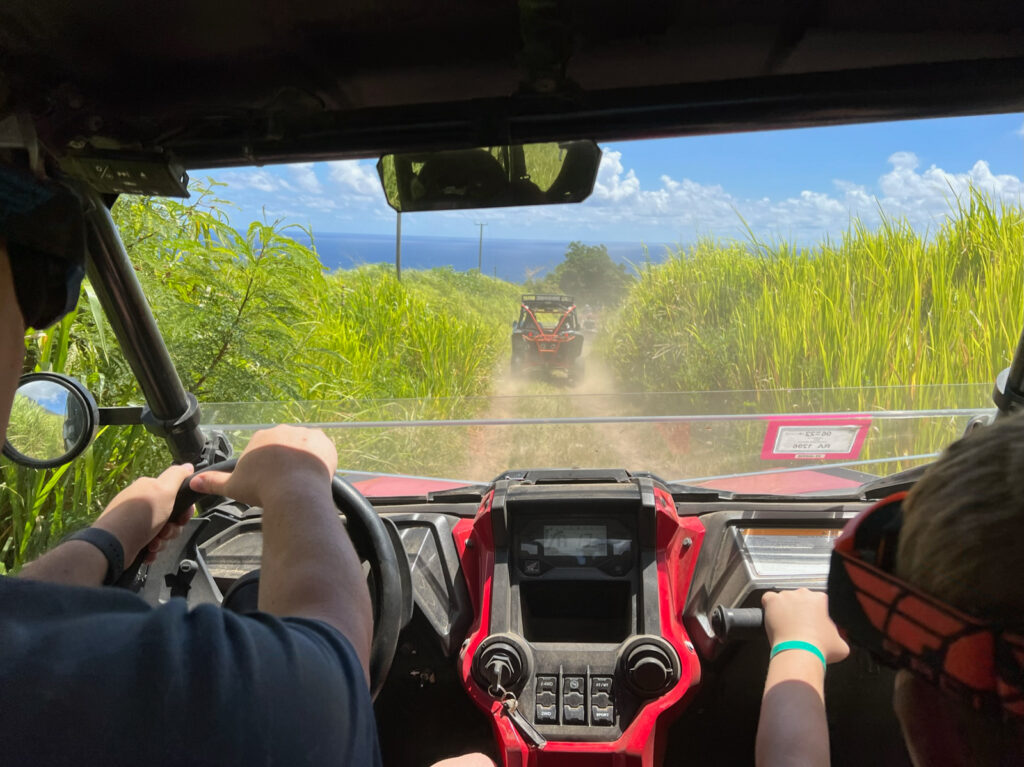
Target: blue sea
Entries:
(512, 260)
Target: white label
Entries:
(816, 440)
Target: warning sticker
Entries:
(789, 438)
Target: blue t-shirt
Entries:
(98, 677)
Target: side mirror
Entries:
(53, 419)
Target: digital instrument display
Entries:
(575, 540)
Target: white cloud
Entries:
(689, 207)
(305, 177)
(256, 178)
(611, 184)
(355, 177)
(349, 197)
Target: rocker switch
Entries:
(573, 700)
(602, 707)
(546, 700)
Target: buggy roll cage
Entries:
(531, 303)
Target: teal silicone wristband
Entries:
(798, 645)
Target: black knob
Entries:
(500, 665)
(649, 669)
(730, 623)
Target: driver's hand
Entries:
(803, 615)
(467, 760)
(275, 464)
(138, 514)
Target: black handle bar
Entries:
(732, 623)
(183, 503)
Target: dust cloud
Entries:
(656, 447)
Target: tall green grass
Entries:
(884, 313)
(253, 316)
(436, 334)
(882, 307)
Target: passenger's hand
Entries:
(138, 515)
(802, 615)
(276, 463)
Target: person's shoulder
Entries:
(21, 597)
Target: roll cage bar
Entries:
(171, 412)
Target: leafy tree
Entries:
(233, 306)
(589, 275)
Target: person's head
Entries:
(42, 263)
(12, 340)
(962, 542)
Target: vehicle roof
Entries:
(547, 301)
(236, 82)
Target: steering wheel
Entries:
(372, 541)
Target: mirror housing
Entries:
(490, 177)
(53, 419)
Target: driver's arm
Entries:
(309, 567)
(137, 517)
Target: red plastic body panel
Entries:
(643, 742)
(782, 483)
(385, 486)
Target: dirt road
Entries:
(656, 447)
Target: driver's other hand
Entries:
(138, 514)
(466, 760)
(275, 463)
(802, 615)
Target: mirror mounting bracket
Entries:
(216, 447)
(181, 424)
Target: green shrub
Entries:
(252, 316)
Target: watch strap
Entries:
(110, 547)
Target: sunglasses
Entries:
(44, 227)
(979, 662)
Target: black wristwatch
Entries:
(109, 545)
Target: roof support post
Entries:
(172, 412)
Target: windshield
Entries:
(767, 313)
(788, 312)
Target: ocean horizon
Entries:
(513, 260)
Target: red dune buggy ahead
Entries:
(547, 335)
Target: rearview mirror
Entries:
(53, 419)
(490, 177)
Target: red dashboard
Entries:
(579, 621)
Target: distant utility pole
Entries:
(480, 252)
(398, 247)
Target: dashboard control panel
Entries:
(575, 628)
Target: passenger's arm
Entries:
(309, 567)
(793, 730)
(137, 517)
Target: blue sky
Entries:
(798, 185)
